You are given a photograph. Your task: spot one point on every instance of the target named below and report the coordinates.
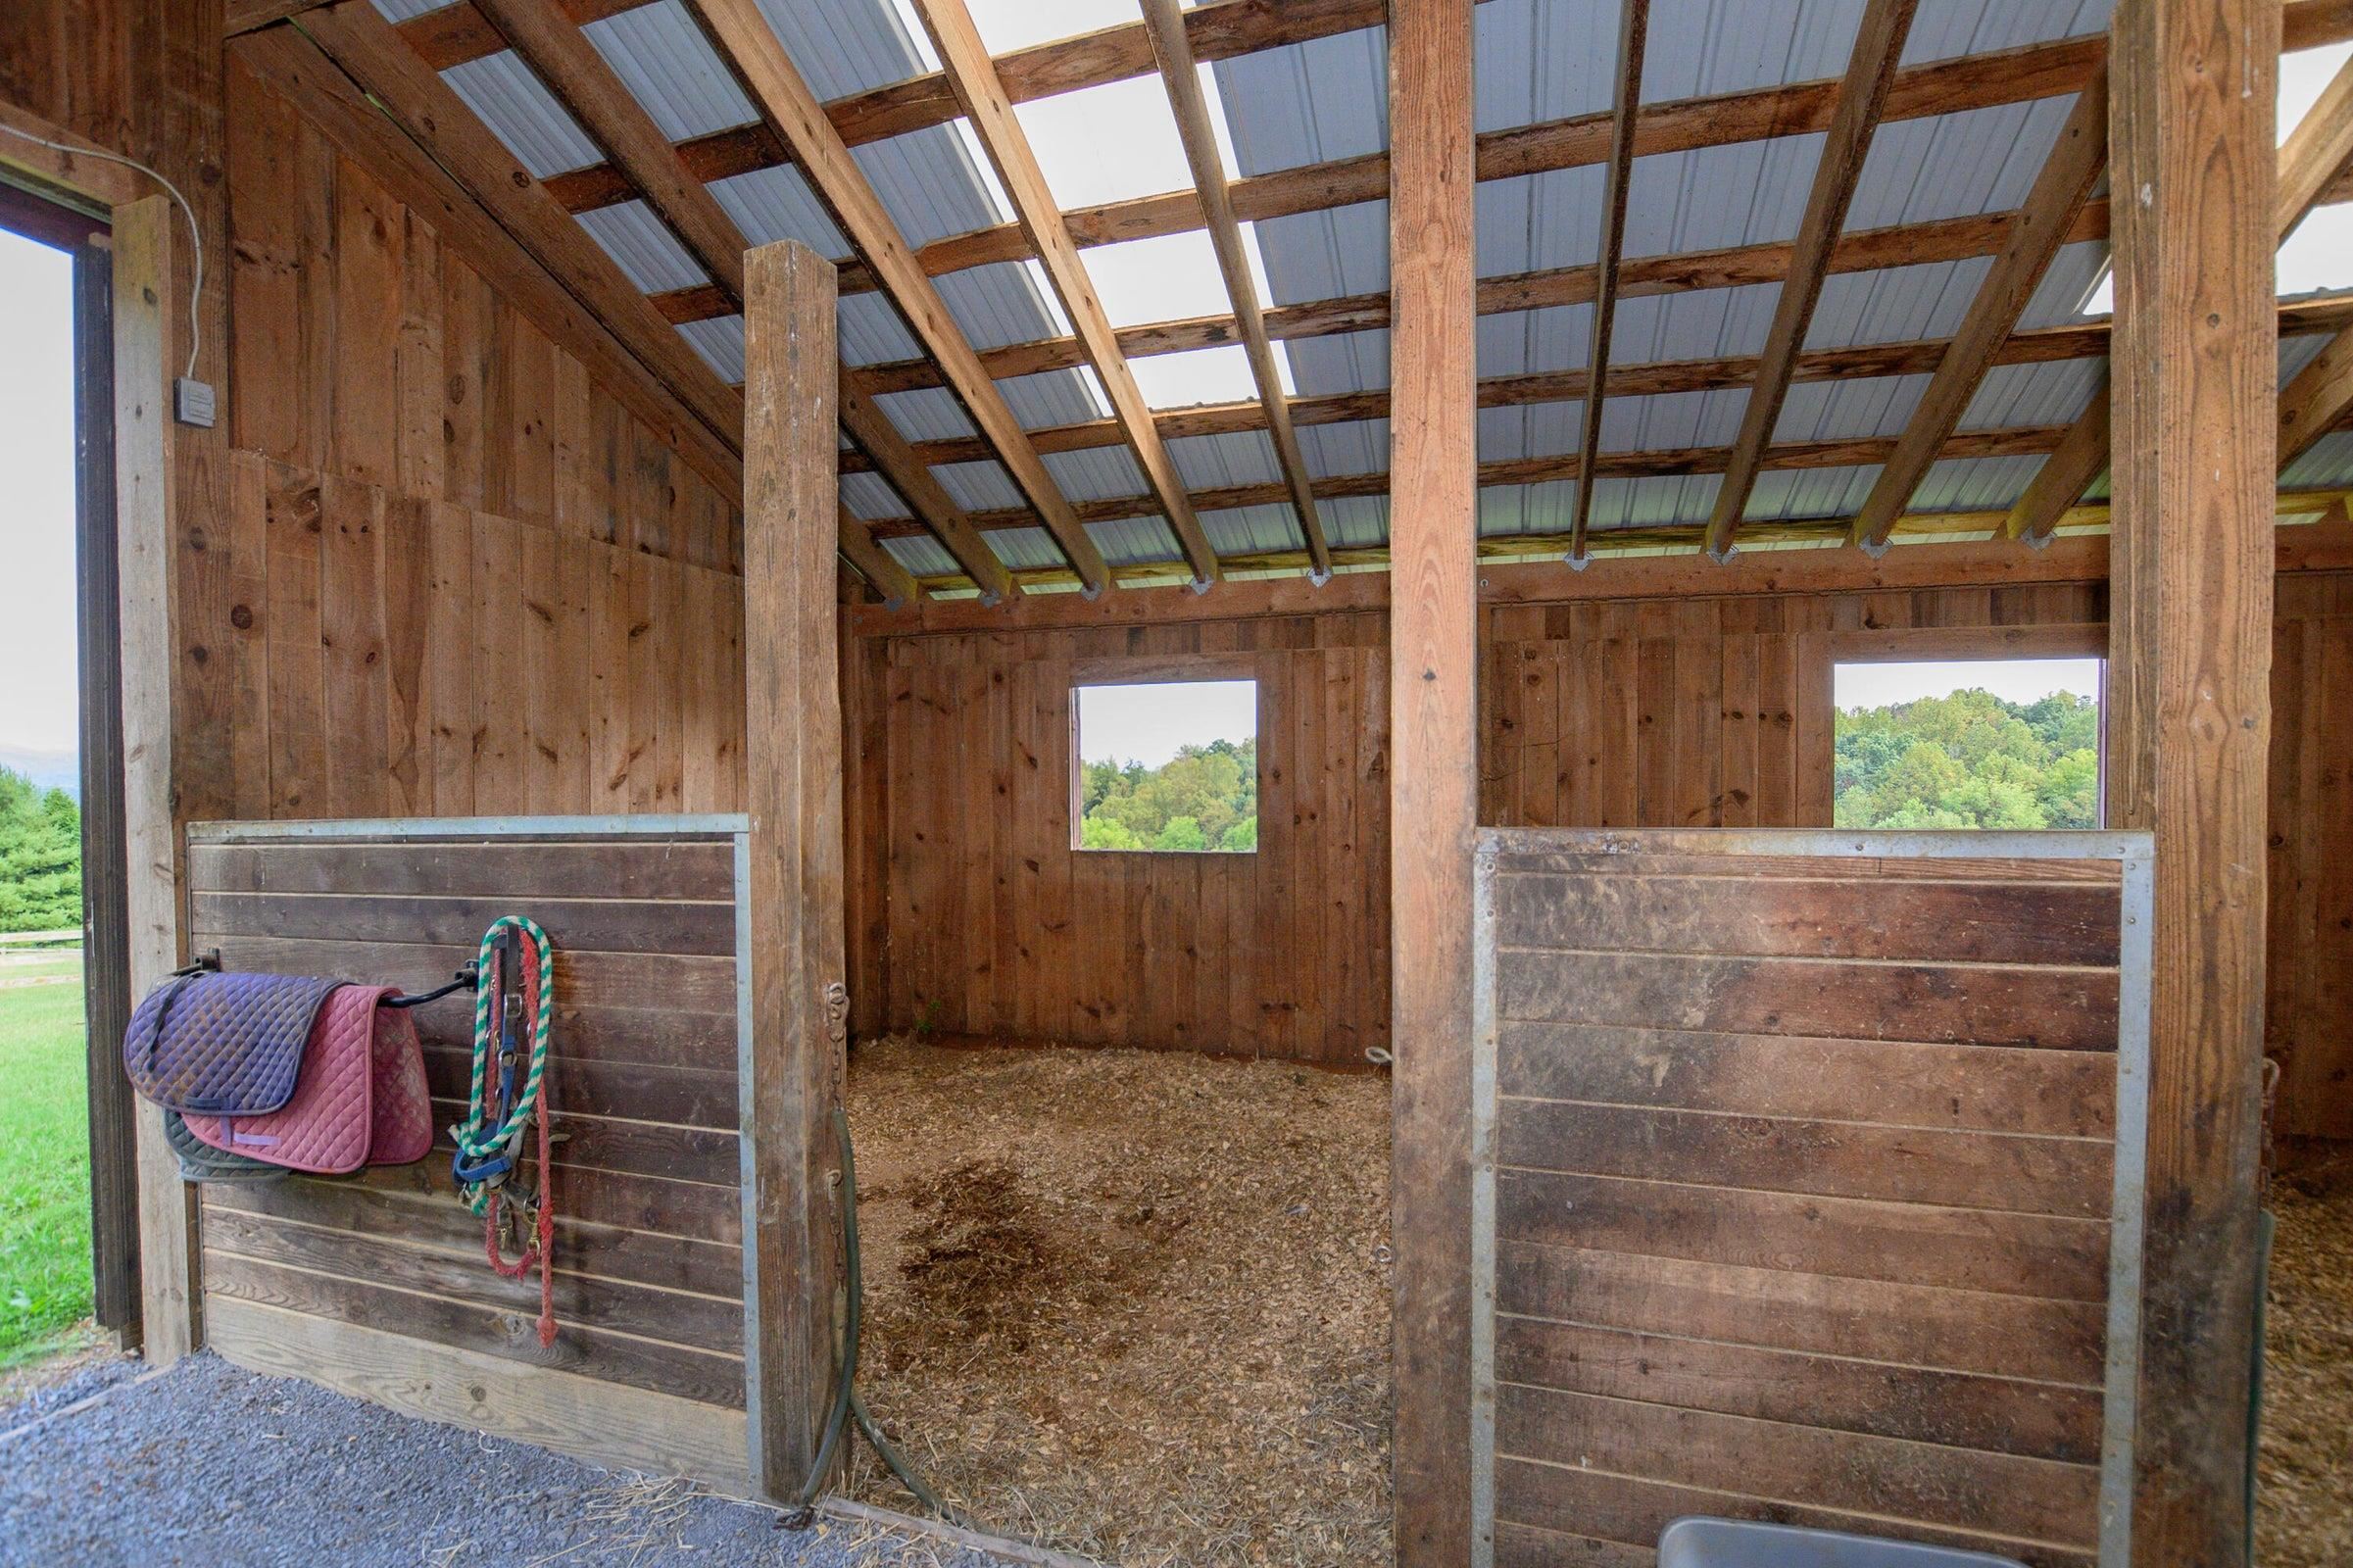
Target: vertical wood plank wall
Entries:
(993, 924)
(649, 1282)
(1803, 1181)
(1699, 712)
(2308, 1005)
(1598, 713)
(461, 578)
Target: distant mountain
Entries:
(47, 769)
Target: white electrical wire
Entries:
(196, 288)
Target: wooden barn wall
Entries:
(990, 923)
(145, 80)
(331, 1277)
(402, 657)
(2310, 928)
(1596, 713)
(1701, 712)
(459, 577)
(366, 349)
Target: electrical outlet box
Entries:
(192, 402)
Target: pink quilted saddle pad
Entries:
(361, 1099)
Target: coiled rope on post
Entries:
(490, 1139)
(476, 1142)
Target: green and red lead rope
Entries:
(479, 1144)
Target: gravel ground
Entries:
(214, 1466)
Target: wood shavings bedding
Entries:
(1129, 1304)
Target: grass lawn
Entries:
(44, 1168)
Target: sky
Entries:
(37, 708)
(1148, 723)
(2014, 680)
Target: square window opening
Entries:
(1166, 766)
(2005, 744)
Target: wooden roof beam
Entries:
(894, 458)
(1634, 26)
(563, 58)
(1181, 76)
(560, 54)
(2314, 157)
(2318, 153)
(1661, 462)
(1861, 250)
(1870, 73)
(2041, 345)
(881, 569)
(2074, 165)
(742, 38)
(966, 61)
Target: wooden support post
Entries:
(792, 1059)
(1434, 782)
(2191, 96)
(146, 310)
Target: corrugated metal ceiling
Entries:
(1538, 61)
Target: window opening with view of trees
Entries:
(1969, 743)
(1167, 765)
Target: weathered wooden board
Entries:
(649, 1282)
(1796, 1189)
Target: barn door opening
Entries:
(63, 924)
(1807, 1172)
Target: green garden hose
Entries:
(846, 1400)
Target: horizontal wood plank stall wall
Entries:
(376, 1283)
(960, 746)
(1796, 1165)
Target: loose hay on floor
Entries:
(1130, 1305)
(2304, 1504)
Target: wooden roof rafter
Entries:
(1859, 249)
(2317, 155)
(1634, 29)
(1181, 76)
(2043, 345)
(743, 42)
(1869, 75)
(571, 68)
(2076, 163)
(972, 75)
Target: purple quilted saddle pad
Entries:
(228, 1044)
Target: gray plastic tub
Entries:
(1738, 1543)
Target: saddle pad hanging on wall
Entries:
(222, 1044)
(200, 1162)
(362, 1099)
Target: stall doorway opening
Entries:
(2004, 744)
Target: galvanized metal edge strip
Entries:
(2121, 1407)
(1483, 1208)
(710, 824)
(746, 1151)
(2064, 844)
